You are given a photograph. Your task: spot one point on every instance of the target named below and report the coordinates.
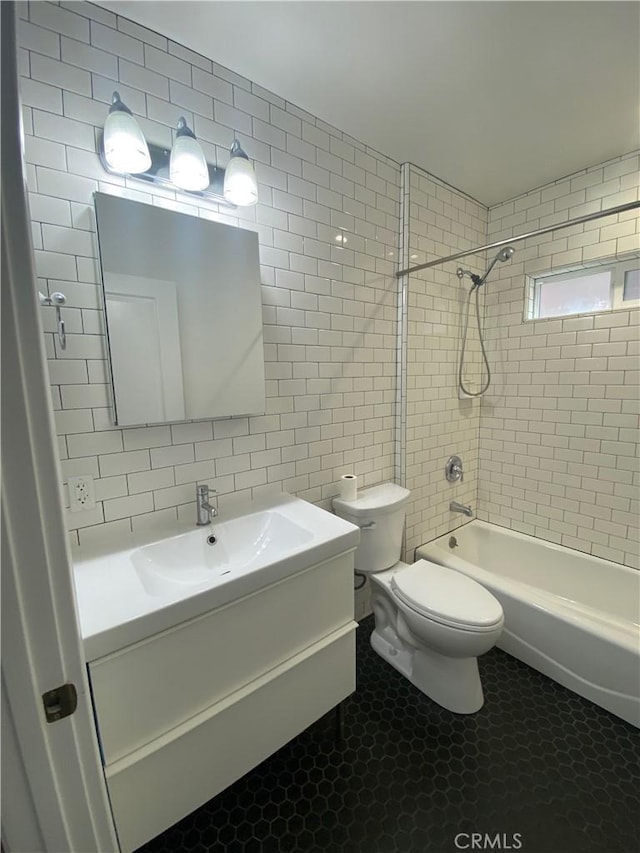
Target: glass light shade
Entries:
(240, 186)
(188, 168)
(125, 148)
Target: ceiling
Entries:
(495, 98)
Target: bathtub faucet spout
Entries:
(454, 506)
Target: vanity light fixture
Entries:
(125, 148)
(240, 185)
(187, 166)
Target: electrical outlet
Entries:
(81, 493)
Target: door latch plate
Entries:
(60, 702)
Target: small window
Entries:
(602, 287)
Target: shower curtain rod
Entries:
(632, 205)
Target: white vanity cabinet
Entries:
(184, 713)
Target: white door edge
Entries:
(59, 795)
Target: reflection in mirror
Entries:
(184, 314)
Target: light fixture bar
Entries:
(158, 174)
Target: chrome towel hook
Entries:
(56, 299)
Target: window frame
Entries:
(617, 267)
(620, 271)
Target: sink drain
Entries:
(212, 539)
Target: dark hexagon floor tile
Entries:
(409, 776)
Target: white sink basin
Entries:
(150, 583)
(218, 552)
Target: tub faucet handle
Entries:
(453, 469)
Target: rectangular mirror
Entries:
(184, 314)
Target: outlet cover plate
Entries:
(81, 493)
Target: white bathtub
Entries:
(571, 616)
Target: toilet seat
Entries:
(446, 596)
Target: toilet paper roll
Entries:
(348, 487)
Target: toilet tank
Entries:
(379, 512)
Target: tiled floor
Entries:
(543, 769)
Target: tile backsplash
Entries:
(361, 368)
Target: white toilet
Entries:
(431, 622)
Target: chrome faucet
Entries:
(454, 506)
(453, 469)
(204, 509)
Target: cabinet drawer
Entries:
(145, 690)
(158, 785)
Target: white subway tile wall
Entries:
(330, 308)
(559, 426)
(441, 221)
(550, 451)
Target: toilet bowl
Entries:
(431, 625)
(431, 622)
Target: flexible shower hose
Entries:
(484, 388)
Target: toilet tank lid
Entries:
(386, 497)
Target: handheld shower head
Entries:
(503, 255)
(506, 254)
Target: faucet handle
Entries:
(203, 492)
(453, 469)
